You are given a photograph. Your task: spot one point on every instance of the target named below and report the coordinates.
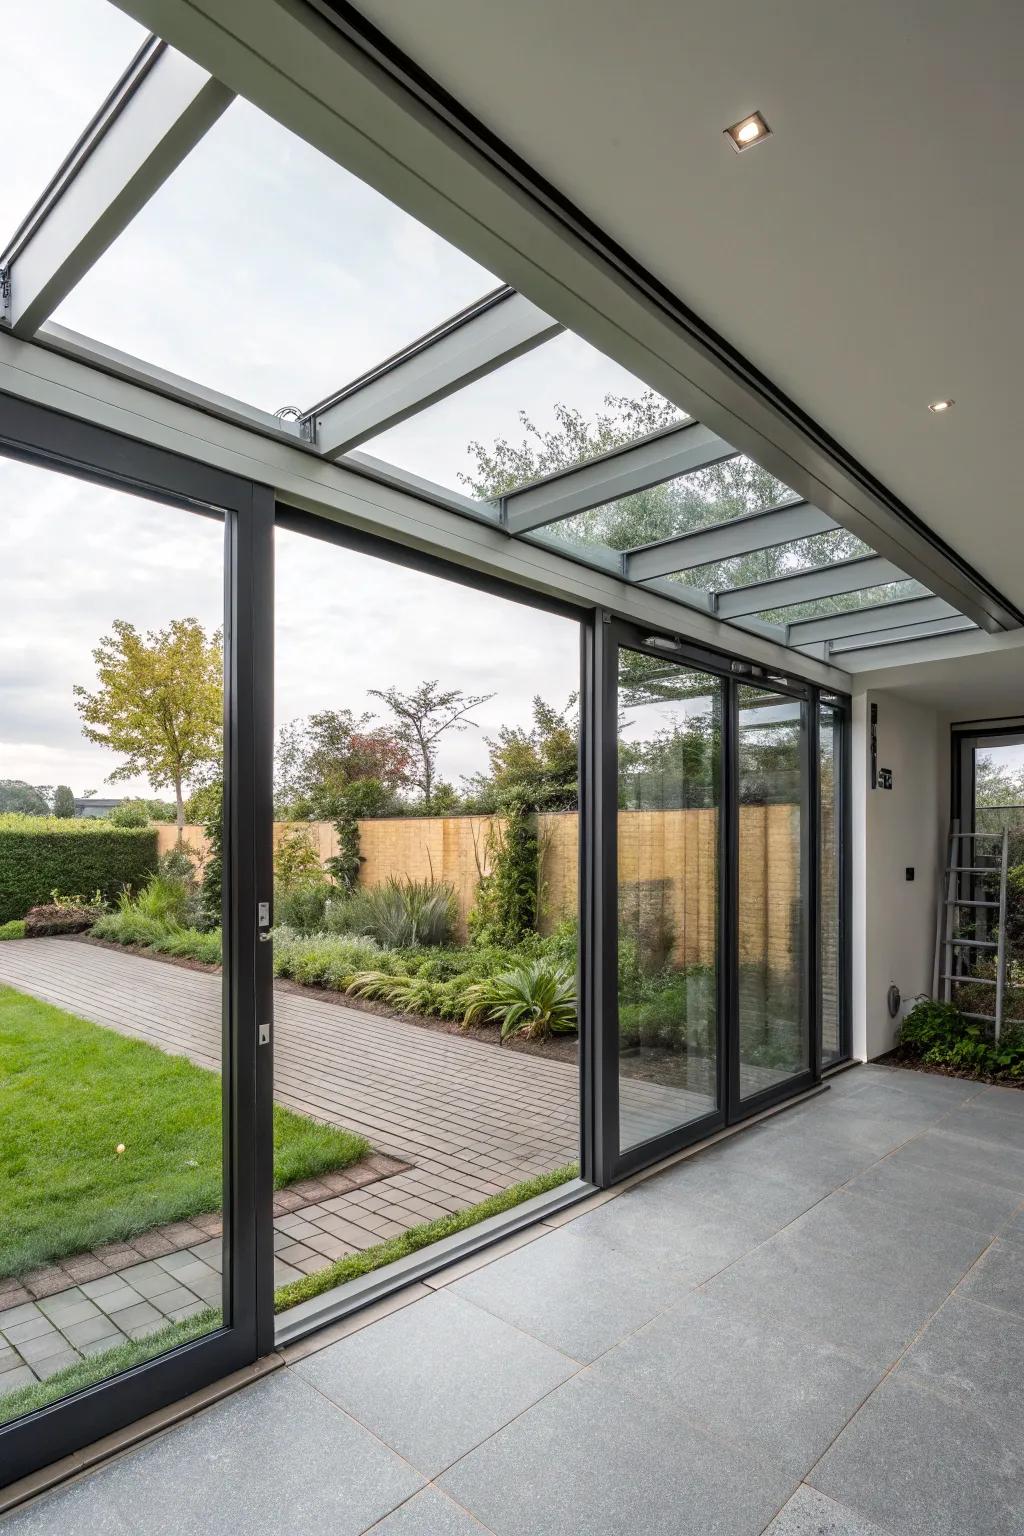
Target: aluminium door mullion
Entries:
(811, 925)
(729, 916)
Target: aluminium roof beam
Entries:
(740, 536)
(500, 328)
(676, 450)
(875, 638)
(158, 111)
(807, 586)
(875, 616)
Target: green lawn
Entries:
(71, 1092)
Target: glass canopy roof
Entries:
(271, 282)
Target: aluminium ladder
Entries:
(949, 971)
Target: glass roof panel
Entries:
(767, 564)
(264, 270)
(683, 505)
(560, 405)
(845, 602)
(60, 60)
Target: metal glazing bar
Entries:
(472, 344)
(722, 541)
(673, 451)
(908, 610)
(806, 586)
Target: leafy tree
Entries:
(424, 716)
(159, 703)
(16, 795)
(318, 760)
(296, 861)
(63, 802)
(541, 761)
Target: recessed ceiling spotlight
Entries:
(938, 406)
(747, 132)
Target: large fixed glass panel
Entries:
(556, 407)
(425, 895)
(830, 757)
(61, 58)
(669, 778)
(772, 1036)
(295, 276)
(111, 732)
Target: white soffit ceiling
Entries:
(867, 257)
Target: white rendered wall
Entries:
(893, 919)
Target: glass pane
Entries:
(670, 736)
(773, 1042)
(561, 404)
(111, 710)
(271, 273)
(784, 560)
(845, 602)
(682, 505)
(60, 60)
(830, 726)
(425, 905)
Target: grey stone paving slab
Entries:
(688, 1237)
(945, 1150)
(998, 1278)
(986, 1122)
(925, 1466)
(973, 1355)
(948, 1196)
(587, 1462)
(783, 1394)
(80, 1509)
(870, 1229)
(868, 1307)
(436, 1378)
(429, 1513)
(773, 1196)
(276, 1458)
(810, 1513)
(553, 1290)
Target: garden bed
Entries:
(901, 1058)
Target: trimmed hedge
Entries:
(41, 854)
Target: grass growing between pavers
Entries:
(95, 1368)
(415, 1238)
(71, 1092)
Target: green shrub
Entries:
(296, 861)
(321, 959)
(130, 813)
(39, 854)
(506, 904)
(938, 1035)
(130, 925)
(535, 1000)
(304, 907)
(930, 1025)
(14, 930)
(400, 914)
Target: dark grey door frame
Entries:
(40, 436)
(604, 1163)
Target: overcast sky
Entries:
(263, 270)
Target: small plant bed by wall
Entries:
(936, 1037)
(74, 1093)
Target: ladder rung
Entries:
(999, 835)
(973, 869)
(974, 943)
(970, 981)
(955, 902)
(982, 1018)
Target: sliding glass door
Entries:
(135, 680)
(772, 1035)
(717, 837)
(668, 839)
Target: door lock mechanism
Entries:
(263, 1034)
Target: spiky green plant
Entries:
(535, 1000)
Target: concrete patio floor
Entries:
(814, 1326)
